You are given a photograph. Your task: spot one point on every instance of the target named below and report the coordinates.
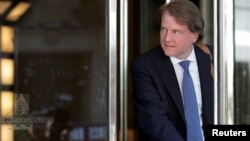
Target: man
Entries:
(157, 77)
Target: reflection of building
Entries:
(21, 104)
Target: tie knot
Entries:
(185, 64)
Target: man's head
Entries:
(182, 26)
(185, 12)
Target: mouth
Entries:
(169, 46)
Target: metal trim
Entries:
(226, 62)
(112, 71)
(215, 42)
(123, 68)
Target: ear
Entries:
(195, 36)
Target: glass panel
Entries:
(242, 62)
(142, 35)
(61, 73)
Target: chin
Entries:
(167, 53)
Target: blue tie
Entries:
(190, 105)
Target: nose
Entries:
(167, 37)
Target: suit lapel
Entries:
(166, 70)
(204, 69)
(206, 81)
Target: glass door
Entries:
(233, 62)
(242, 62)
(64, 72)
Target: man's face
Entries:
(176, 39)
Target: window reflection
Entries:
(61, 72)
(242, 62)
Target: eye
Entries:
(177, 32)
(163, 29)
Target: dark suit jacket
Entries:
(157, 96)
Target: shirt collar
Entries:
(191, 58)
